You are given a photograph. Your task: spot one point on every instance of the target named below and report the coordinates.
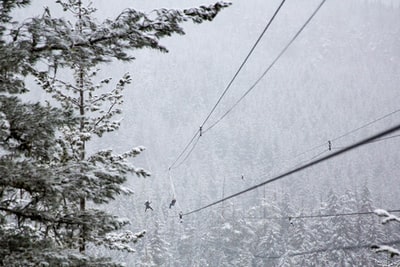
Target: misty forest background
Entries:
(342, 72)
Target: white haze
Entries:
(342, 72)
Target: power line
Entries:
(339, 137)
(385, 138)
(188, 154)
(308, 150)
(377, 140)
(365, 125)
(184, 149)
(322, 250)
(305, 166)
(244, 62)
(269, 67)
(327, 150)
(321, 215)
(314, 157)
(176, 166)
(352, 131)
(199, 132)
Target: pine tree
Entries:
(268, 249)
(368, 230)
(346, 227)
(393, 253)
(49, 184)
(158, 247)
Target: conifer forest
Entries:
(199, 133)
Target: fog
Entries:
(341, 73)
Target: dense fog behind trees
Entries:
(342, 72)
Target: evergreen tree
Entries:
(346, 228)
(49, 184)
(268, 249)
(367, 230)
(158, 248)
(392, 252)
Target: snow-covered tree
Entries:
(50, 184)
(156, 249)
(390, 250)
(368, 232)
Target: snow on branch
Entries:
(130, 154)
(387, 216)
(106, 155)
(386, 249)
(118, 163)
(202, 13)
(130, 30)
(121, 241)
(126, 190)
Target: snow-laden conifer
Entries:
(50, 185)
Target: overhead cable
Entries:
(350, 132)
(305, 166)
(323, 250)
(330, 145)
(290, 218)
(188, 154)
(365, 125)
(200, 131)
(243, 63)
(184, 150)
(269, 67)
